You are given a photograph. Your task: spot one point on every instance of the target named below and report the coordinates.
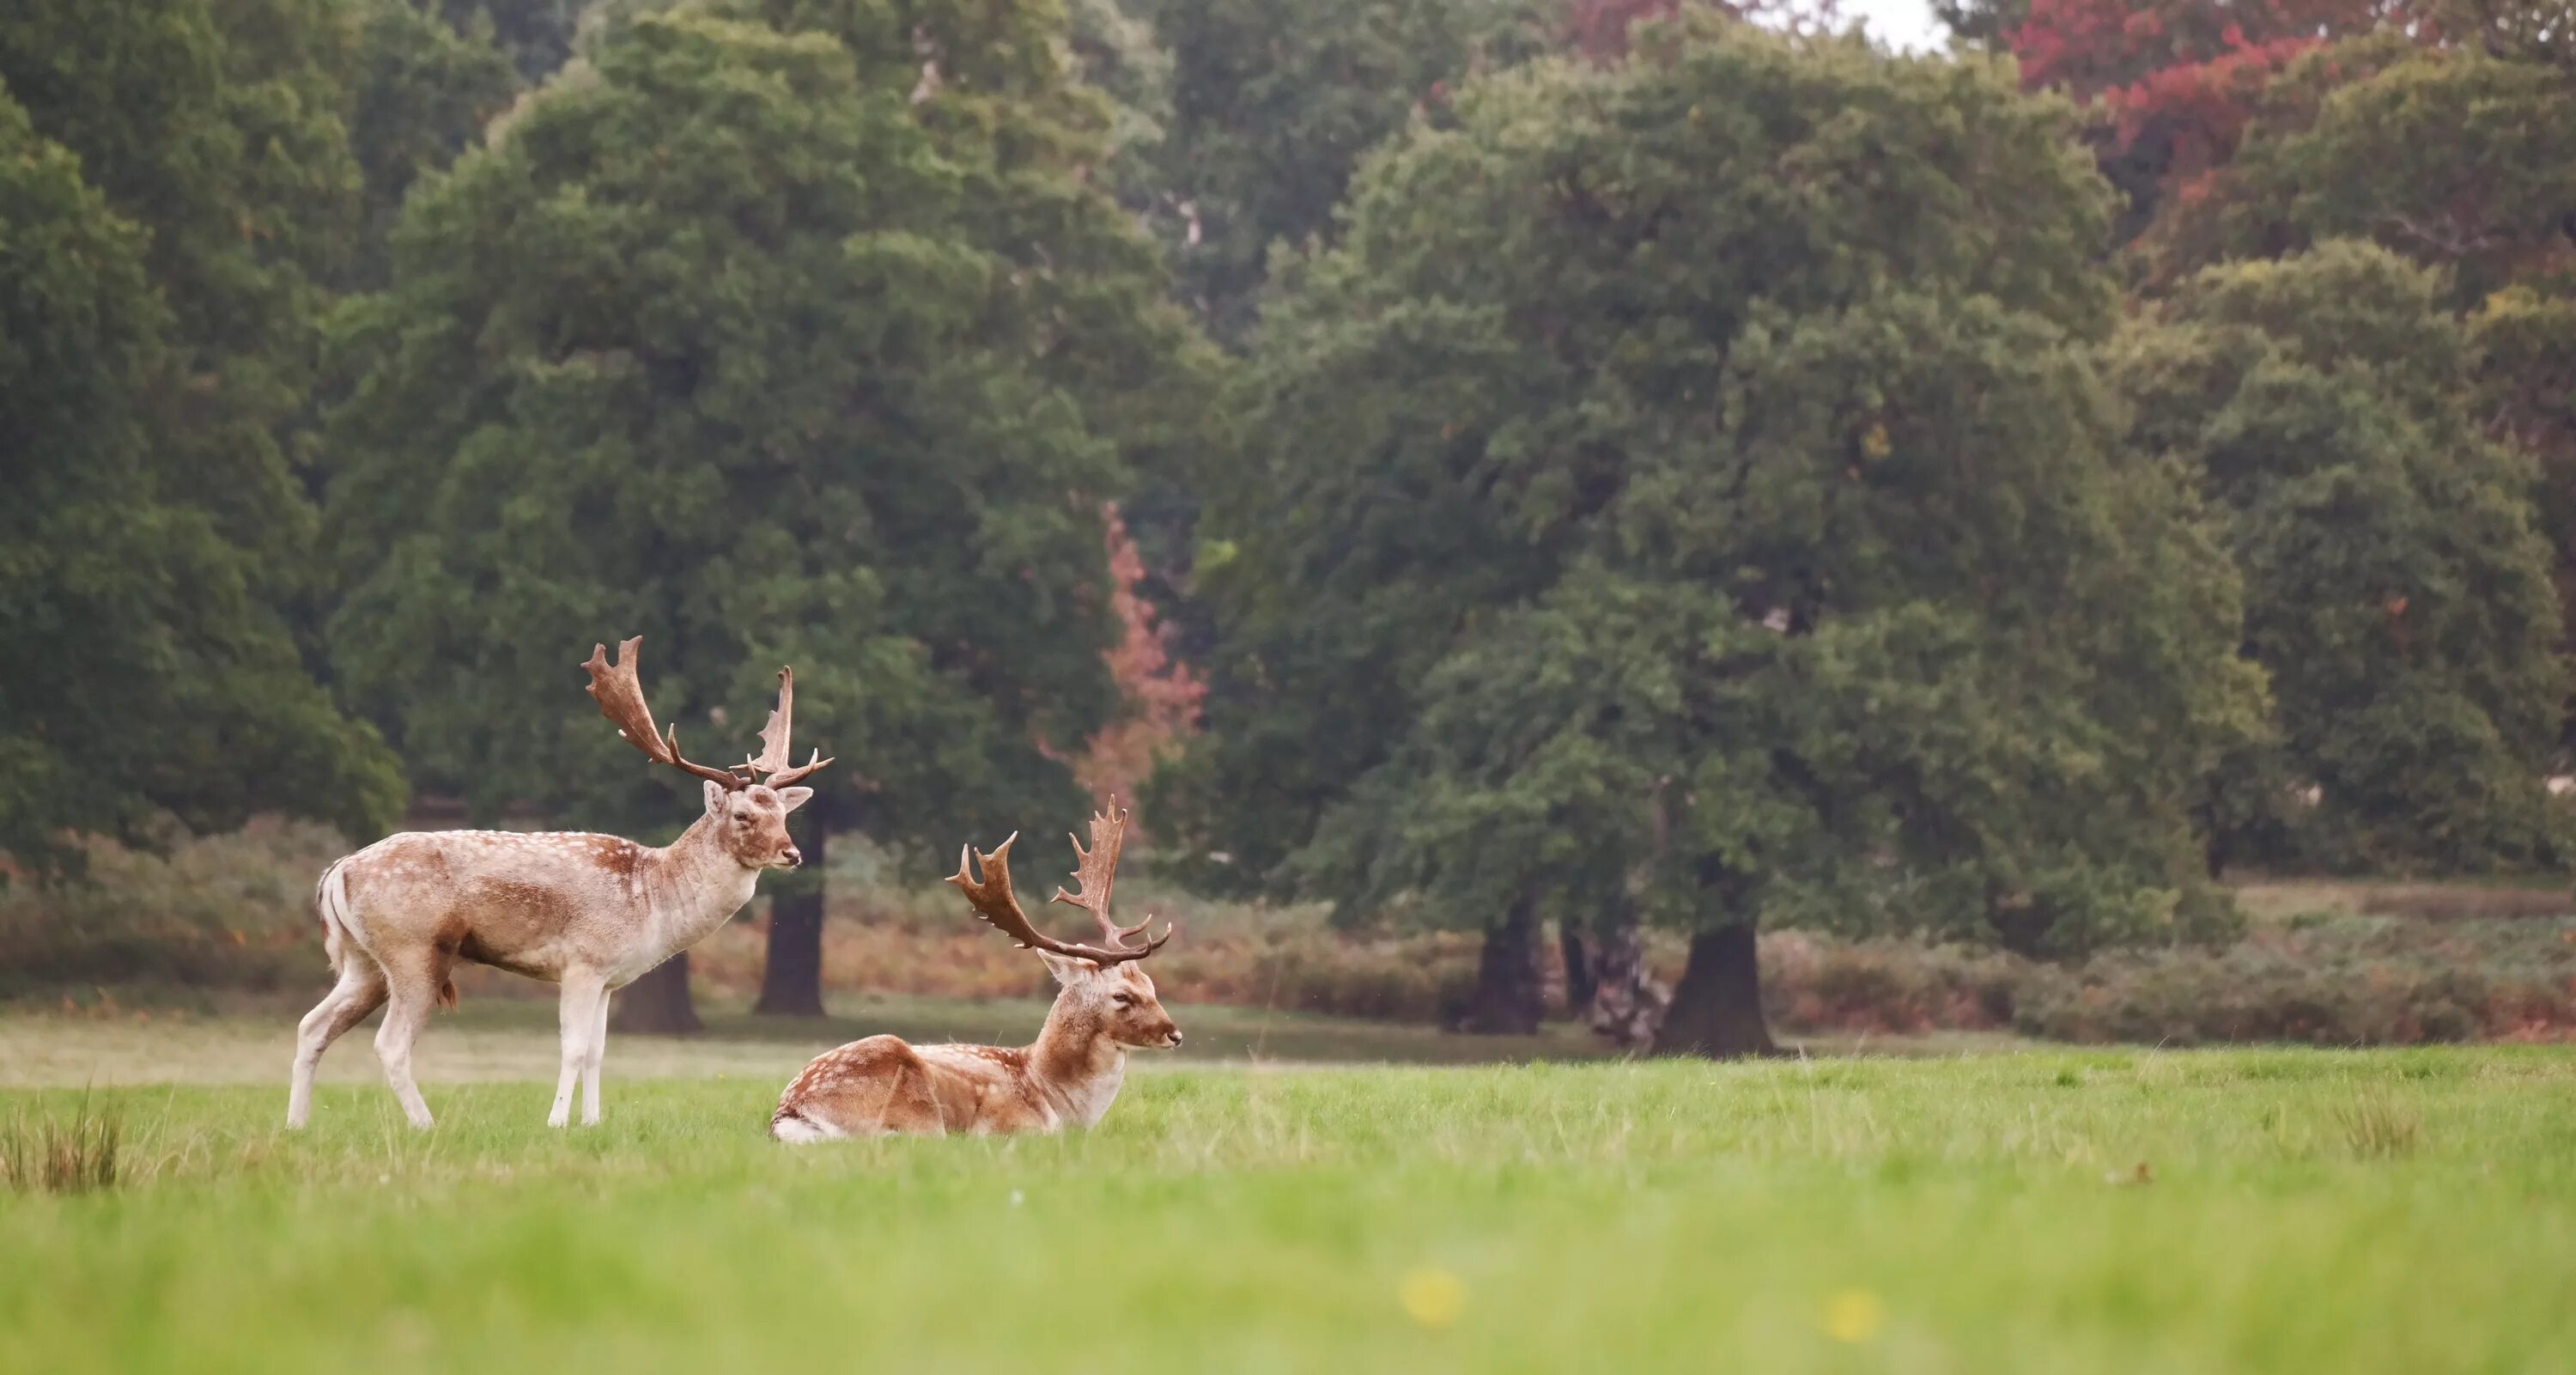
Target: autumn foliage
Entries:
(2179, 79)
(1159, 694)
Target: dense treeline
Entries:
(1495, 463)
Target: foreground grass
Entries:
(2299, 1211)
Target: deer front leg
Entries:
(584, 993)
(590, 1068)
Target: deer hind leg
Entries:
(585, 994)
(361, 990)
(412, 988)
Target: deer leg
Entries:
(578, 1014)
(361, 990)
(412, 990)
(590, 1069)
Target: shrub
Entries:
(232, 910)
(2331, 981)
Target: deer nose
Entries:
(793, 856)
(1176, 1036)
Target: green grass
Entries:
(2302, 1211)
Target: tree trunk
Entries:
(1628, 1001)
(791, 976)
(1717, 1010)
(657, 1004)
(1578, 969)
(1511, 991)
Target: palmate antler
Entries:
(621, 699)
(1096, 873)
(773, 740)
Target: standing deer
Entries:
(589, 912)
(1069, 1075)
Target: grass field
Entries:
(2296, 1211)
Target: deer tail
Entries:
(331, 906)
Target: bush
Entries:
(2330, 981)
(886, 939)
(2392, 965)
(1884, 987)
(231, 910)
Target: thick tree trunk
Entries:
(791, 976)
(1717, 1010)
(1628, 1001)
(658, 1003)
(1511, 992)
(1578, 968)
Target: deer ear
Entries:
(1067, 968)
(789, 799)
(715, 797)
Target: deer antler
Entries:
(994, 902)
(773, 740)
(1095, 872)
(621, 700)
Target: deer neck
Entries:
(692, 886)
(1076, 1064)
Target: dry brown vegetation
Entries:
(2324, 962)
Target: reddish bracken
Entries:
(589, 912)
(1068, 1076)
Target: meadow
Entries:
(2030, 1210)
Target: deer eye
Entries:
(1123, 999)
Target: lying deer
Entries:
(1069, 1076)
(589, 912)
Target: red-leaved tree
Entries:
(1160, 693)
(2177, 80)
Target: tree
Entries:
(146, 677)
(2174, 82)
(536, 35)
(2396, 588)
(1158, 694)
(1119, 56)
(2525, 343)
(215, 126)
(1630, 524)
(421, 94)
(1275, 101)
(2456, 160)
(738, 345)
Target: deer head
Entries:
(1104, 981)
(747, 803)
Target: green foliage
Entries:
(215, 127)
(1274, 102)
(2396, 589)
(536, 35)
(1627, 513)
(144, 365)
(2526, 362)
(2454, 159)
(422, 92)
(731, 343)
(1118, 55)
(2459, 161)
